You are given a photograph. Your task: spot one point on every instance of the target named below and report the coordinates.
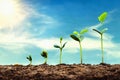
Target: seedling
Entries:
(45, 55)
(30, 59)
(79, 37)
(102, 18)
(61, 48)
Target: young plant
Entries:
(79, 37)
(30, 59)
(61, 48)
(45, 55)
(101, 19)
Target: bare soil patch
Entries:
(60, 72)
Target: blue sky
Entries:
(36, 25)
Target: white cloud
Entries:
(16, 48)
(15, 43)
(113, 51)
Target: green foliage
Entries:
(79, 37)
(104, 30)
(64, 45)
(97, 31)
(74, 37)
(61, 39)
(45, 55)
(102, 17)
(61, 48)
(56, 46)
(30, 59)
(75, 32)
(83, 31)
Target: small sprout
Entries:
(79, 37)
(61, 48)
(102, 18)
(30, 59)
(45, 55)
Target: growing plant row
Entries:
(77, 36)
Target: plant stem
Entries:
(45, 61)
(80, 52)
(30, 62)
(102, 48)
(60, 56)
(60, 52)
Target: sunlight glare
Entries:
(11, 13)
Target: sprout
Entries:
(30, 59)
(79, 37)
(102, 18)
(45, 55)
(61, 48)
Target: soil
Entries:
(60, 72)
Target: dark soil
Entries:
(60, 72)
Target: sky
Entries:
(27, 27)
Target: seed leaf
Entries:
(44, 54)
(56, 46)
(83, 31)
(102, 17)
(75, 32)
(74, 37)
(97, 31)
(64, 45)
(104, 30)
(29, 58)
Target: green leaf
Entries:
(61, 39)
(64, 45)
(75, 32)
(97, 31)
(44, 54)
(29, 58)
(74, 37)
(81, 38)
(104, 30)
(102, 17)
(56, 46)
(83, 31)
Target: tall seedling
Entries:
(101, 19)
(30, 59)
(45, 55)
(79, 36)
(61, 48)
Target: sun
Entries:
(7, 7)
(11, 13)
